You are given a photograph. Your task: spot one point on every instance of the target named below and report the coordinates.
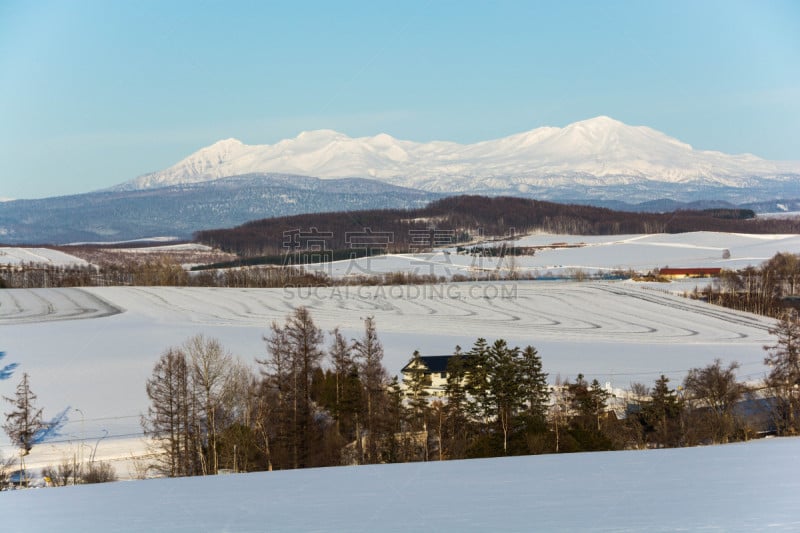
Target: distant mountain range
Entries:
(600, 158)
(180, 210)
(599, 161)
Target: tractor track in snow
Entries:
(568, 311)
(48, 305)
(682, 304)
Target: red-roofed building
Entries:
(677, 273)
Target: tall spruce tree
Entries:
(415, 385)
(457, 422)
(368, 351)
(507, 395)
(588, 401)
(662, 413)
(477, 371)
(340, 353)
(534, 383)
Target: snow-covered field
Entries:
(16, 256)
(591, 254)
(185, 247)
(92, 349)
(595, 254)
(739, 487)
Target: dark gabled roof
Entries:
(434, 363)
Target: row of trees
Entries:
(210, 412)
(765, 290)
(155, 271)
(311, 405)
(198, 392)
(164, 271)
(493, 391)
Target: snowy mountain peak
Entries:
(598, 151)
(600, 121)
(220, 147)
(320, 136)
(227, 143)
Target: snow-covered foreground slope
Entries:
(741, 487)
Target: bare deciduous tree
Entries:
(715, 392)
(210, 369)
(170, 419)
(783, 380)
(195, 391)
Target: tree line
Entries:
(164, 271)
(159, 271)
(311, 405)
(769, 289)
(465, 218)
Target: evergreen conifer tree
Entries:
(662, 413)
(534, 383)
(506, 395)
(368, 352)
(416, 385)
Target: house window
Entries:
(443, 375)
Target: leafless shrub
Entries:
(99, 472)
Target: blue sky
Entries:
(93, 93)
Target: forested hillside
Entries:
(465, 218)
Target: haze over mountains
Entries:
(599, 161)
(598, 153)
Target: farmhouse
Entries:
(435, 371)
(680, 273)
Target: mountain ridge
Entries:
(180, 210)
(597, 152)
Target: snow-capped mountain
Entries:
(599, 152)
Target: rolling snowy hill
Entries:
(597, 153)
(743, 487)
